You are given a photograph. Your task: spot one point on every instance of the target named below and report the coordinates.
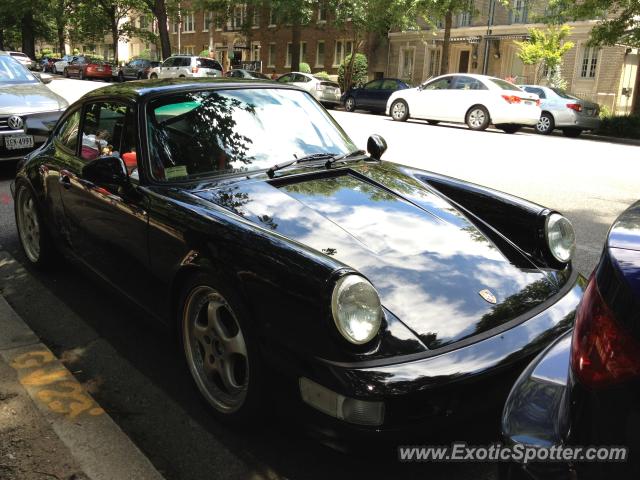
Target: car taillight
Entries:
(194, 69)
(512, 98)
(602, 352)
(575, 106)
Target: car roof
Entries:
(141, 89)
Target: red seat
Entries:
(130, 159)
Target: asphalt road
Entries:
(133, 368)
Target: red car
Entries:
(85, 68)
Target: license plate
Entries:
(100, 69)
(529, 102)
(16, 142)
(590, 111)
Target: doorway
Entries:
(463, 61)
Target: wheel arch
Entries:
(466, 115)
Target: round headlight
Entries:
(356, 309)
(560, 237)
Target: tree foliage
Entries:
(545, 48)
(359, 72)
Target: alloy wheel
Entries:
(28, 224)
(350, 105)
(215, 349)
(476, 118)
(398, 111)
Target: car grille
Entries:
(4, 124)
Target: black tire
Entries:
(139, 76)
(120, 77)
(350, 104)
(190, 308)
(80, 74)
(571, 132)
(433, 122)
(509, 128)
(399, 111)
(546, 124)
(66, 73)
(153, 76)
(41, 251)
(477, 118)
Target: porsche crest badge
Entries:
(488, 296)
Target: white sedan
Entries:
(326, 92)
(477, 100)
(60, 65)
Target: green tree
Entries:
(159, 10)
(545, 48)
(359, 70)
(22, 22)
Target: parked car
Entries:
(46, 64)
(325, 91)
(24, 59)
(60, 65)
(187, 66)
(366, 296)
(372, 96)
(23, 95)
(562, 110)
(585, 388)
(242, 73)
(477, 100)
(136, 69)
(85, 67)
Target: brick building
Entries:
(605, 75)
(259, 36)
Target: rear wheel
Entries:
(219, 349)
(153, 76)
(120, 77)
(80, 74)
(350, 104)
(399, 111)
(34, 237)
(478, 118)
(509, 128)
(571, 132)
(66, 73)
(546, 124)
(433, 122)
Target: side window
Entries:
(300, 78)
(441, 84)
(286, 78)
(390, 85)
(102, 130)
(537, 91)
(468, 83)
(376, 84)
(68, 132)
(185, 62)
(168, 62)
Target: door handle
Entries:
(65, 179)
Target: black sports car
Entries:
(365, 295)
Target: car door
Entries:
(428, 103)
(166, 69)
(466, 92)
(366, 96)
(389, 86)
(130, 70)
(107, 224)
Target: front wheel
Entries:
(478, 118)
(399, 111)
(34, 238)
(571, 132)
(545, 124)
(509, 128)
(153, 76)
(350, 104)
(219, 349)
(66, 73)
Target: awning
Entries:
(509, 36)
(470, 39)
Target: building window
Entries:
(272, 18)
(175, 26)
(144, 22)
(208, 20)
(323, 11)
(519, 11)
(589, 62)
(463, 19)
(320, 53)
(188, 22)
(236, 21)
(405, 69)
(271, 57)
(342, 51)
(219, 22)
(189, 49)
(303, 53)
(255, 51)
(434, 63)
(255, 18)
(218, 49)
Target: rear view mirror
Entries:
(108, 170)
(376, 146)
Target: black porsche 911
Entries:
(364, 295)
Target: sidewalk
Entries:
(50, 427)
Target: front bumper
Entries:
(436, 391)
(12, 155)
(578, 120)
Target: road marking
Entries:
(5, 199)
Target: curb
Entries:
(103, 451)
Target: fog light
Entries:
(350, 410)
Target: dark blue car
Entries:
(372, 96)
(584, 390)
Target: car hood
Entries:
(29, 98)
(428, 262)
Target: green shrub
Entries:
(204, 53)
(304, 67)
(359, 74)
(322, 75)
(605, 112)
(623, 126)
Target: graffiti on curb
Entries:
(53, 385)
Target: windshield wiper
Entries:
(344, 156)
(306, 158)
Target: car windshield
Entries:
(209, 133)
(563, 94)
(11, 71)
(504, 85)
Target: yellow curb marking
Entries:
(64, 394)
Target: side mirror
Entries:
(43, 77)
(376, 146)
(107, 170)
(41, 125)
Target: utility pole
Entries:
(485, 60)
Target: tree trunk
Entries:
(1, 39)
(635, 103)
(60, 32)
(444, 65)
(28, 37)
(295, 44)
(115, 37)
(159, 9)
(348, 74)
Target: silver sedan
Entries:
(564, 111)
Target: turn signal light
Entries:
(602, 352)
(512, 98)
(575, 106)
(194, 69)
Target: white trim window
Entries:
(188, 22)
(405, 65)
(343, 49)
(320, 49)
(219, 22)
(175, 24)
(519, 12)
(255, 51)
(255, 18)
(272, 18)
(434, 62)
(323, 11)
(271, 56)
(189, 49)
(237, 17)
(303, 53)
(589, 65)
(207, 21)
